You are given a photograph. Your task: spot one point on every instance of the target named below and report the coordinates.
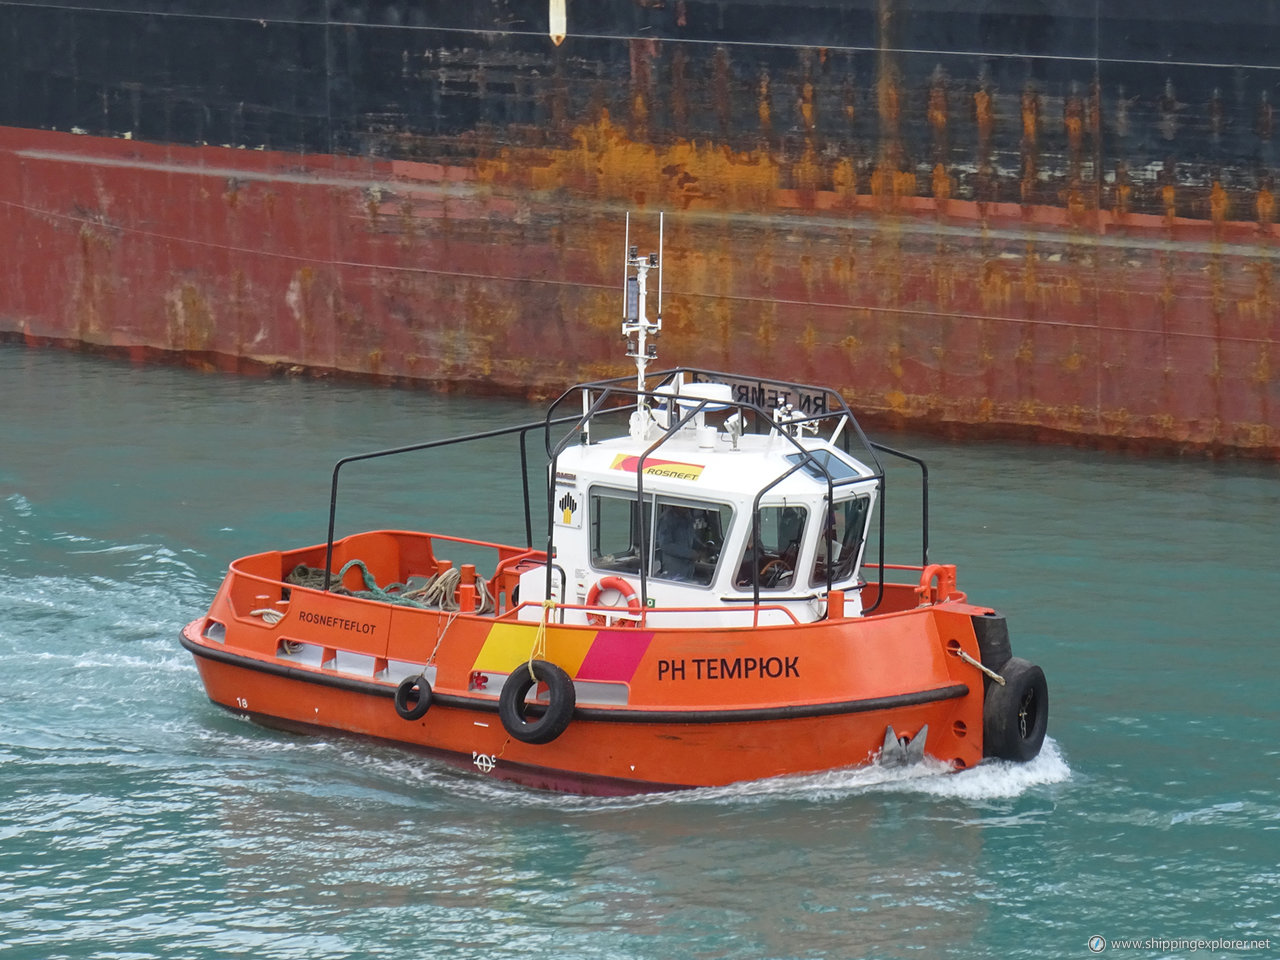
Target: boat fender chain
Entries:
(977, 663)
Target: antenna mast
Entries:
(637, 328)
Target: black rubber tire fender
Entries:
(992, 632)
(513, 709)
(1015, 716)
(410, 687)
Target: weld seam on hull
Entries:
(791, 712)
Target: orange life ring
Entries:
(627, 591)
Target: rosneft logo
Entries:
(568, 506)
(659, 468)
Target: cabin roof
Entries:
(689, 467)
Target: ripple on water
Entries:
(139, 821)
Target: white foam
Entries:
(990, 780)
(21, 505)
(994, 779)
(1217, 813)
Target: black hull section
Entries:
(1170, 92)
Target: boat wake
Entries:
(991, 780)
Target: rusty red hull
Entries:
(952, 243)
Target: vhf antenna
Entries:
(637, 328)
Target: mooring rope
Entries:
(442, 627)
(539, 651)
(437, 593)
(487, 602)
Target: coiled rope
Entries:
(438, 593)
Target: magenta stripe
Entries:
(614, 655)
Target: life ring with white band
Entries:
(623, 588)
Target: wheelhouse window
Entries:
(682, 539)
(821, 463)
(615, 531)
(845, 533)
(771, 559)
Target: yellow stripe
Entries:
(509, 644)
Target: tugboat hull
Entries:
(654, 709)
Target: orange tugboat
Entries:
(704, 609)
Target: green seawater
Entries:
(139, 821)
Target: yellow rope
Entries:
(442, 627)
(539, 651)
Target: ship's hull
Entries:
(601, 753)
(654, 703)
(1021, 221)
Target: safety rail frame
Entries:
(523, 429)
